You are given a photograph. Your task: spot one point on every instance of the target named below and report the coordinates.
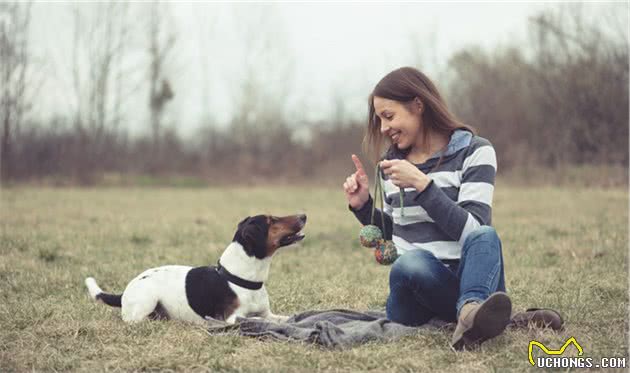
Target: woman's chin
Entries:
(401, 146)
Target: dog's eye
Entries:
(274, 220)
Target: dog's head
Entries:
(262, 235)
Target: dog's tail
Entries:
(97, 293)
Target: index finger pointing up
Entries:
(358, 165)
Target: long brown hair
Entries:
(404, 85)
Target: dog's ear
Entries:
(244, 221)
(255, 240)
(252, 235)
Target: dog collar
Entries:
(223, 272)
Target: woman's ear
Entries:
(418, 105)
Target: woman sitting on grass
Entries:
(450, 263)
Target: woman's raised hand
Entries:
(404, 174)
(356, 186)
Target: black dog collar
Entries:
(237, 280)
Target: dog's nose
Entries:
(302, 218)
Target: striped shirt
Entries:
(456, 202)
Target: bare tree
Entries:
(14, 67)
(100, 42)
(259, 121)
(423, 46)
(161, 42)
(564, 103)
(584, 75)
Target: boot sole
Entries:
(490, 320)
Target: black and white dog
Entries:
(234, 288)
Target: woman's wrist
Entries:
(422, 183)
(356, 208)
(361, 205)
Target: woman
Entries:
(450, 263)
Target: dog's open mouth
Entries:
(292, 238)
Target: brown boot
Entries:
(537, 318)
(479, 322)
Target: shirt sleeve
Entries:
(473, 207)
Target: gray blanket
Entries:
(336, 328)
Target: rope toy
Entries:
(371, 236)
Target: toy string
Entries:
(377, 189)
(402, 197)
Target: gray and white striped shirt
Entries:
(456, 202)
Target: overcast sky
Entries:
(322, 52)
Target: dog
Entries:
(233, 288)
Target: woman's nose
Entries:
(384, 128)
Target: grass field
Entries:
(564, 248)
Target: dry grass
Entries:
(564, 248)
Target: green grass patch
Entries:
(564, 248)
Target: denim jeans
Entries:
(422, 286)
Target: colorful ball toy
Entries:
(386, 253)
(370, 235)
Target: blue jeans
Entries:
(422, 287)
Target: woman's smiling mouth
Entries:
(395, 137)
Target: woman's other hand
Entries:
(356, 186)
(404, 174)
